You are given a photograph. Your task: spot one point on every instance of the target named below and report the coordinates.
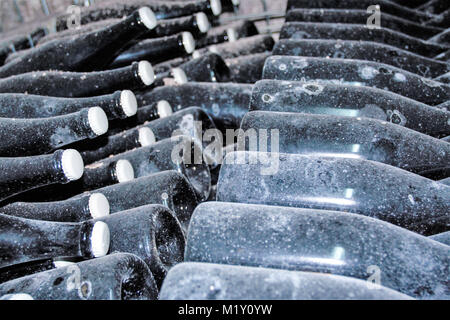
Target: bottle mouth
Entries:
(98, 206)
(124, 171)
(188, 42)
(179, 75)
(202, 22)
(72, 164)
(146, 73)
(98, 121)
(216, 7)
(232, 35)
(164, 109)
(148, 17)
(146, 137)
(128, 102)
(100, 239)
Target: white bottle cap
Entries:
(164, 109)
(235, 2)
(98, 120)
(124, 171)
(98, 205)
(216, 7)
(17, 296)
(196, 54)
(213, 49)
(146, 72)
(179, 75)
(188, 42)
(232, 35)
(148, 17)
(100, 239)
(72, 164)
(202, 22)
(62, 264)
(146, 137)
(128, 103)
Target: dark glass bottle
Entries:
(119, 276)
(345, 31)
(207, 68)
(351, 101)
(319, 241)
(13, 44)
(86, 207)
(362, 50)
(88, 52)
(60, 167)
(225, 103)
(23, 240)
(207, 281)
(39, 136)
(119, 105)
(152, 233)
(359, 73)
(228, 33)
(330, 183)
(80, 84)
(247, 69)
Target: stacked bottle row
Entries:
(333, 186)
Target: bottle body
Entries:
(247, 69)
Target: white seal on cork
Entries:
(179, 75)
(148, 17)
(124, 171)
(164, 109)
(128, 102)
(216, 7)
(146, 137)
(98, 205)
(146, 72)
(188, 42)
(202, 22)
(98, 120)
(100, 239)
(72, 164)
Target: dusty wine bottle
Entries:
(340, 243)
(360, 17)
(384, 6)
(346, 31)
(119, 276)
(88, 52)
(197, 24)
(17, 43)
(86, 207)
(330, 183)
(228, 33)
(442, 238)
(168, 188)
(24, 240)
(357, 72)
(119, 105)
(225, 103)
(362, 50)
(80, 84)
(207, 281)
(157, 50)
(207, 68)
(152, 233)
(247, 69)
(351, 101)
(39, 136)
(60, 167)
(340, 136)
(180, 153)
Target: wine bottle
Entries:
(207, 281)
(15, 43)
(152, 233)
(119, 105)
(225, 103)
(39, 136)
(441, 20)
(359, 73)
(228, 33)
(362, 50)
(180, 153)
(119, 276)
(330, 183)
(60, 167)
(442, 238)
(340, 243)
(157, 50)
(247, 69)
(24, 240)
(207, 68)
(86, 207)
(351, 101)
(168, 188)
(80, 84)
(162, 10)
(88, 52)
(346, 31)
(241, 47)
(24, 269)
(360, 17)
(340, 136)
(384, 5)
(105, 146)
